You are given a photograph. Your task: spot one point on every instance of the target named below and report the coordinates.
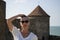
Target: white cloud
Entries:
(20, 1)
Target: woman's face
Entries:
(24, 22)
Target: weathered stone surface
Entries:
(39, 23)
(2, 21)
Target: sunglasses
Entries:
(24, 21)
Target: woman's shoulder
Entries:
(34, 35)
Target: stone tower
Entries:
(2, 19)
(39, 23)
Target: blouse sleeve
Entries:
(15, 31)
(35, 38)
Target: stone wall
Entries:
(2, 20)
(53, 37)
(40, 26)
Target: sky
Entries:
(51, 7)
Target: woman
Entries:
(23, 32)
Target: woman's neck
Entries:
(25, 33)
(24, 30)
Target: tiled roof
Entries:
(38, 11)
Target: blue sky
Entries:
(51, 7)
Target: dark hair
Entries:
(23, 16)
(16, 23)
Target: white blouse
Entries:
(18, 36)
